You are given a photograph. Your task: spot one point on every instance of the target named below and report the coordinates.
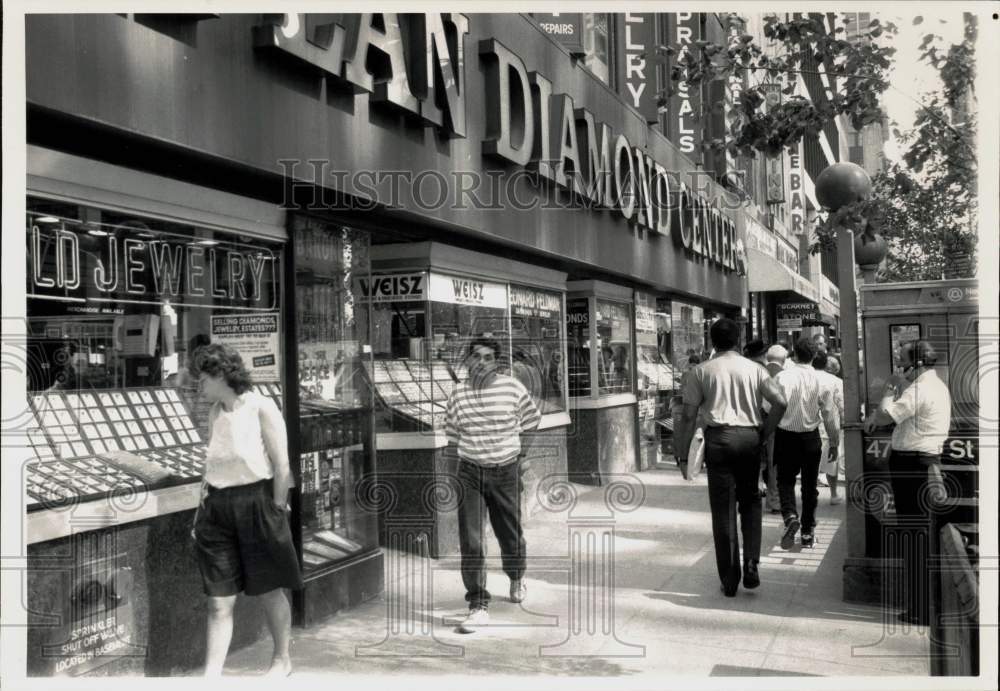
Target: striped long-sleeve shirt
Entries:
(806, 398)
(486, 423)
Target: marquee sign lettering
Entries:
(67, 263)
(414, 63)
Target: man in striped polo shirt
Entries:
(487, 414)
(797, 444)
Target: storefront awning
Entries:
(821, 319)
(767, 274)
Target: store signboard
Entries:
(831, 292)
(797, 189)
(636, 42)
(564, 27)
(774, 165)
(529, 302)
(410, 287)
(760, 238)
(645, 318)
(73, 262)
(683, 122)
(791, 315)
(466, 290)
(255, 338)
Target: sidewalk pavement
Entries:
(669, 617)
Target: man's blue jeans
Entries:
(493, 491)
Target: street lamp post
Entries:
(838, 185)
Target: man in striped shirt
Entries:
(797, 444)
(487, 414)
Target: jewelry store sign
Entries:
(92, 264)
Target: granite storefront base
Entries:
(128, 601)
(420, 500)
(602, 442)
(123, 600)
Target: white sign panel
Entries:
(465, 290)
(255, 338)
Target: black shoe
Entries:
(788, 538)
(807, 539)
(751, 578)
(729, 592)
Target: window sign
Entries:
(465, 290)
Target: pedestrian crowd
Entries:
(763, 420)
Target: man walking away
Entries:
(919, 404)
(730, 390)
(797, 446)
(486, 416)
(830, 466)
(774, 361)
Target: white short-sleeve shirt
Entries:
(922, 414)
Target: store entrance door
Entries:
(331, 420)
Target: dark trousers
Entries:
(495, 491)
(909, 478)
(795, 453)
(732, 455)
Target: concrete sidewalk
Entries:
(669, 617)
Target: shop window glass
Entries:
(900, 335)
(578, 342)
(334, 342)
(687, 337)
(422, 324)
(613, 322)
(117, 304)
(536, 318)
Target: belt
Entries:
(490, 466)
(236, 489)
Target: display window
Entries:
(578, 340)
(422, 323)
(687, 337)
(335, 395)
(536, 318)
(613, 324)
(117, 303)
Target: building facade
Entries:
(347, 200)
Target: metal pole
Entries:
(853, 447)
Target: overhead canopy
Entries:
(767, 274)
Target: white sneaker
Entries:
(476, 618)
(836, 499)
(518, 590)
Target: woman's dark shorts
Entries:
(244, 542)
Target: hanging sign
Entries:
(564, 27)
(791, 315)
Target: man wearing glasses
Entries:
(487, 414)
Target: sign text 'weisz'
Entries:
(415, 62)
